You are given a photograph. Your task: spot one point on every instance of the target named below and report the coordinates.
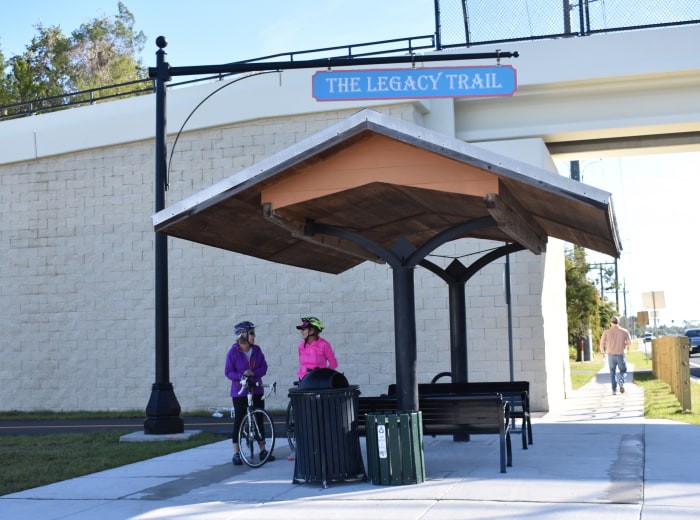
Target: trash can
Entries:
(325, 419)
(395, 447)
(323, 379)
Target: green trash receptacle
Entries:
(395, 447)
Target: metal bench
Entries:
(452, 414)
(517, 393)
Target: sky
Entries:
(655, 197)
(209, 32)
(656, 206)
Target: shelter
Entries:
(374, 188)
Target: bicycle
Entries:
(290, 427)
(256, 428)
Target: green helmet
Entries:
(310, 321)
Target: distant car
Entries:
(693, 340)
(648, 337)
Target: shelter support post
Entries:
(456, 275)
(459, 361)
(405, 338)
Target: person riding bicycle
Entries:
(245, 359)
(314, 351)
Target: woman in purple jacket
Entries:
(245, 359)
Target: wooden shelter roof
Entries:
(386, 180)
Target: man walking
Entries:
(613, 342)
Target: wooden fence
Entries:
(671, 363)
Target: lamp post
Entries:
(163, 409)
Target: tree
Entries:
(101, 52)
(5, 98)
(582, 299)
(104, 50)
(42, 70)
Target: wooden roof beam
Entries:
(297, 230)
(514, 220)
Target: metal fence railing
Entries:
(478, 22)
(75, 99)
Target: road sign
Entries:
(653, 300)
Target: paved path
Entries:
(597, 458)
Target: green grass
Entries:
(583, 371)
(29, 461)
(660, 403)
(49, 415)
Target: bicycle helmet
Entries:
(242, 327)
(310, 321)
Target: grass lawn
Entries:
(583, 371)
(30, 461)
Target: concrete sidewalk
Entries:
(596, 458)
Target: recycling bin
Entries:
(395, 447)
(325, 419)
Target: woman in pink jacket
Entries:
(314, 351)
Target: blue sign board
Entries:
(414, 83)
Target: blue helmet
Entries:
(242, 327)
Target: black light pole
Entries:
(163, 410)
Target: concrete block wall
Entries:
(77, 302)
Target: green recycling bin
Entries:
(395, 447)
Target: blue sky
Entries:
(655, 196)
(208, 32)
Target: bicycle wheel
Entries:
(256, 427)
(291, 432)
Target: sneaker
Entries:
(614, 392)
(237, 459)
(263, 454)
(622, 389)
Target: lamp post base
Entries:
(163, 411)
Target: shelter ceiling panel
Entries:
(577, 236)
(237, 226)
(565, 216)
(382, 212)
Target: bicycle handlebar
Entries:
(246, 383)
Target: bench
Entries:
(451, 414)
(517, 393)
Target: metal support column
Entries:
(405, 338)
